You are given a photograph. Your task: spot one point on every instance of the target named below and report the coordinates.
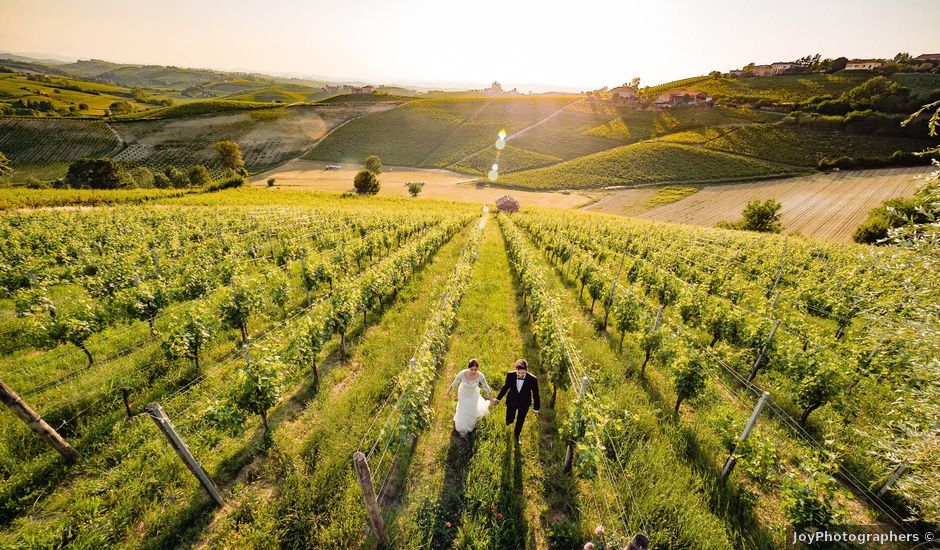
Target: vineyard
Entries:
(37, 145)
(282, 332)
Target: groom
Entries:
(523, 390)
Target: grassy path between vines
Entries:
(304, 494)
(481, 493)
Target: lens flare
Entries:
(493, 175)
(502, 133)
(500, 144)
(495, 168)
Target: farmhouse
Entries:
(929, 57)
(624, 91)
(782, 67)
(762, 70)
(507, 204)
(367, 89)
(681, 97)
(864, 64)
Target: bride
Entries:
(470, 404)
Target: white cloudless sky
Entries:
(578, 45)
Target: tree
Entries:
(271, 182)
(415, 187)
(258, 389)
(160, 181)
(373, 163)
(188, 336)
(142, 176)
(688, 378)
(89, 173)
(758, 215)
(120, 108)
(838, 64)
(199, 175)
(230, 156)
(176, 176)
(5, 168)
(366, 183)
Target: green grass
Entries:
(645, 163)
(669, 194)
(796, 146)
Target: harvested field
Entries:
(824, 206)
(439, 184)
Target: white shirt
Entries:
(519, 383)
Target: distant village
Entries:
(628, 94)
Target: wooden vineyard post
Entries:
(659, 316)
(763, 351)
(569, 452)
(155, 411)
(729, 464)
(773, 305)
(783, 261)
(25, 413)
(271, 246)
(640, 542)
(303, 270)
(613, 285)
(125, 394)
(156, 261)
(376, 522)
(893, 479)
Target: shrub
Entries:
(142, 176)
(366, 183)
(228, 183)
(89, 173)
(415, 187)
(199, 175)
(271, 182)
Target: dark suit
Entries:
(518, 402)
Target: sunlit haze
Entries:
(530, 44)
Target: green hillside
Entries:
(434, 132)
(65, 95)
(793, 145)
(794, 88)
(646, 163)
(43, 148)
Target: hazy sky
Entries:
(574, 44)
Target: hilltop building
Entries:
(762, 70)
(929, 57)
(367, 89)
(864, 65)
(677, 98)
(507, 204)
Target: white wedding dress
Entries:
(470, 403)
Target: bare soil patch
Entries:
(825, 205)
(438, 184)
